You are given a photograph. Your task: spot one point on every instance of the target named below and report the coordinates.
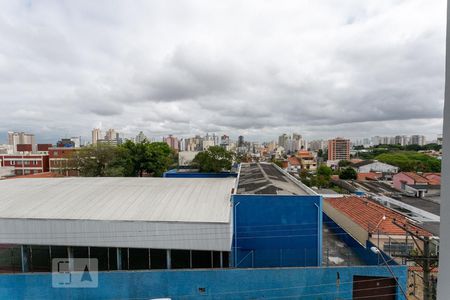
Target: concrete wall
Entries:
(360, 250)
(341, 219)
(397, 180)
(277, 230)
(292, 283)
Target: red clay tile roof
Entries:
(416, 177)
(293, 161)
(369, 214)
(369, 176)
(434, 178)
(304, 153)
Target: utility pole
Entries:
(424, 259)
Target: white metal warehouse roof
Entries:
(118, 199)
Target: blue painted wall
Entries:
(277, 231)
(293, 283)
(175, 174)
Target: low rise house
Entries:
(307, 160)
(368, 166)
(293, 164)
(418, 184)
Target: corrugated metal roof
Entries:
(118, 199)
(265, 178)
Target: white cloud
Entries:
(322, 68)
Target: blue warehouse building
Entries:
(262, 235)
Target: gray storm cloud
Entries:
(353, 68)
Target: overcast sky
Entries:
(253, 68)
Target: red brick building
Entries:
(25, 164)
(339, 149)
(24, 148)
(61, 161)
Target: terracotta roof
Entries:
(38, 175)
(434, 178)
(355, 160)
(369, 215)
(293, 161)
(416, 177)
(369, 176)
(304, 153)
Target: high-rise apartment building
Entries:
(338, 149)
(21, 138)
(283, 140)
(112, 135)
(401, 140)
(240, 141)
(317, 145)
(140, 137)
(172, 142)
(96, 135)
(417, 140)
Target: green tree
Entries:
(348, 173)
(324, 170)
(98, 161)
(215, 159)
(411, 161)
(129, 159)
(432, 146)
(161, 158)
(344, 163)
(320, 153)
(136, 159)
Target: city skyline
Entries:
(105, 135)
(325, 69)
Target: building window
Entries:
(80, 252)
(181, 259)
(58, 252)
(394, 247)
(139, 259)
(201, 259)
(112, 258)
(39, 258)
(124, 258)
(158, 258)
(216, 259)
(11, 259)
(101, 254)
